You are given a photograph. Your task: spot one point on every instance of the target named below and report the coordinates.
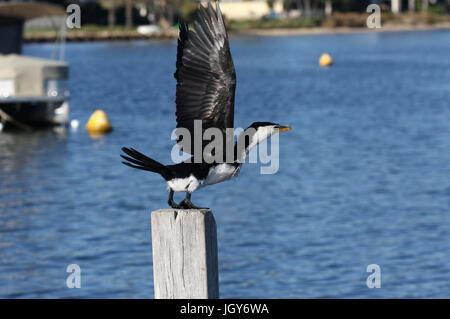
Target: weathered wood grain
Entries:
(185, 261)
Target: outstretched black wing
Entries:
(206, 78)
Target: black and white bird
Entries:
(206, 83)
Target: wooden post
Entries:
(128, 13)
(425, 5)
(112, 13)
(396, 6)
(328, 8)
(185, 264)
(412, 5)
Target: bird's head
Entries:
(264, 130)
(255, 134)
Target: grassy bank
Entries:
(95, 33)
(265, 24)
(347, 20)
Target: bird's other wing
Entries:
(206, 78)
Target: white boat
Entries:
(33, 91)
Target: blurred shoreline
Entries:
(341, 30)
(119, 35)
(36, 36)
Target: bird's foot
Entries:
(188, 205)
(174, 205)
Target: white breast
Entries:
(220, 173)
(188, 184)
(216, 174)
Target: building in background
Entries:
(253, 9)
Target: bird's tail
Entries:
(140, 161)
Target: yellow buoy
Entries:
(98, 123)
(325, 60)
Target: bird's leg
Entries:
(171, 202)
(186, 203)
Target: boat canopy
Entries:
(12, 17)
(22, 76)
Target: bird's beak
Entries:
(284, 128)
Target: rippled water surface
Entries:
(363, 178)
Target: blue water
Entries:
(363, 178)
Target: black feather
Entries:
(145, 163)
(206, 78)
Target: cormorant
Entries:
(206, 82)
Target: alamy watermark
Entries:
(374, 279)
(374, 20)
(74, 279)
(74, 19)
